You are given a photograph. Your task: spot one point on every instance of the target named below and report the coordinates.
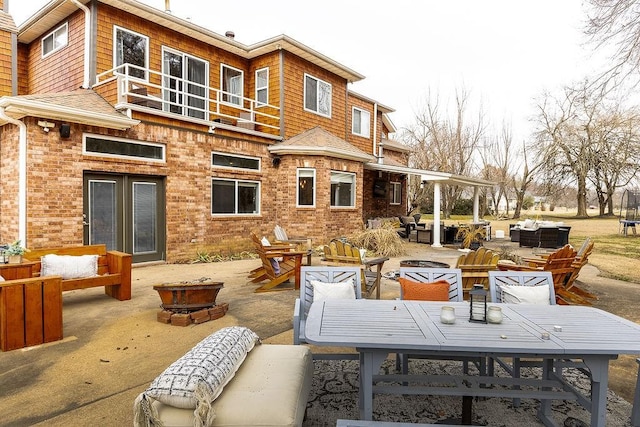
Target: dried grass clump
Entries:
(382, 241)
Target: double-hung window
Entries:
(317, 96)
(262, 87)
(232, 84)
(396, 193)
(360, 125)
(306, 189)
(131, 48)
(343, 189)
(55, 40)
(235, 197)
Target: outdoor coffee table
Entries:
(377, 328)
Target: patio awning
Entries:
(426, 175)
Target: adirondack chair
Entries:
(274, 270)
(301, 243)
(325, 274)
(581, 260)
(559, 264)
(475, 266)
(338, 252)
(259, 274)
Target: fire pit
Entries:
(423, 263)
(190, 302)
(188, 296)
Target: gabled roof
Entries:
(319, 142)
(78, 106)
(57, 10)
(7, 23)
(390, 144)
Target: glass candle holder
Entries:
(447, 315)
(494, 314)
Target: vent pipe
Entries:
(230, 34)
(167, 6)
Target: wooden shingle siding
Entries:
(62, 70)
(297, 119)
(365, 144)
(5, 63)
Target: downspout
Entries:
(87, 40)
(375, 129)
(22, 175)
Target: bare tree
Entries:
(446, 144)
(614, 24)
(497, 164)
(521, 183)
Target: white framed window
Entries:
(262, 87)
(396, 193)
(131, 48)
(55, 40)
(306, 188)
(185, 83)
(317, 96)
(360, 122)
(232, 81)
(234, 161)
(235, 197)
(111, 146)
(343, 189)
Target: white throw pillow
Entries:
(199, 376)
(265, 241)
(69, 266)
(327, 290)
(1, 279)
(518, 294)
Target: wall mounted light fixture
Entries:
(46, 125)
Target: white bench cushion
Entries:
(271, 388)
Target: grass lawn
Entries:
(615, 255)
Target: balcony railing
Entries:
(149, 90)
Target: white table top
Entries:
(413, 325)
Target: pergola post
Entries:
(436, 215)
(476, 204)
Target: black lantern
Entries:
(478, 304)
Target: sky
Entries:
(504, 53)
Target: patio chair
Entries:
(332, 275)
(259, 274)
(559, 264)
(475, 266)
(520, 287)
(342, 253)
(301, 243)
(278, 266)
(428, 277)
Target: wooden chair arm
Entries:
(375, 261)
(517, 267)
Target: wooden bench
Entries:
(114, 269)
(30, 312)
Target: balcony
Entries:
(151, 92)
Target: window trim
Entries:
(353, 193)
(314, 175)
(395, 184)
(362, 112)
(52, 34)
(304, 101)
(214, 166)
(236, 181)
(163, 147)
(265, 88)
(224, 93)
(115, 52)
(184, 105)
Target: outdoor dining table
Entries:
(554, 333)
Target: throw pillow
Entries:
(1, 279)
(265, 241)
(197, 378)
(518, 294)
(275, 264)
(69, 266)
(327, 290)
(433, 291)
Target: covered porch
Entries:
(438, 179)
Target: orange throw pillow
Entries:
(434, 291)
